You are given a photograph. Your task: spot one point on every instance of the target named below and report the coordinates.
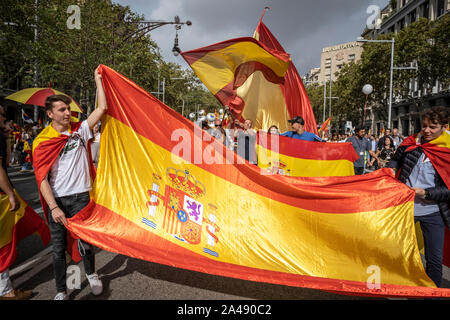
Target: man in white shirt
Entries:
(67, 185)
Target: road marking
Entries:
(35, 264)
(30, 263)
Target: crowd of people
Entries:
(63, 174)
(242, 138)
(20, 144)
(20, 141)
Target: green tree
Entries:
(423, 42)
(16, 42)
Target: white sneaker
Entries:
(95, 283)
(61, 296)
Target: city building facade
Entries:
(333, 58)
(406, 113)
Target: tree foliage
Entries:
(67, 58)
(424, 43)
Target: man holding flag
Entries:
(63, 171)
(423, 160)
(299, 132)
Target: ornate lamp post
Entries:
(367, 89)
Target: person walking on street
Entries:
(384, 155)
(396, 138)
(423, 161)
(246, 141)
(361, 145)
(63, 172)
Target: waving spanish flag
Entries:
(438, 151)
(226, 66)
(298, 158)
(325, 125)
(17, 225)
(169, 193)
(277, 104)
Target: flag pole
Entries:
(264, 12)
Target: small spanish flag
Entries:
(298, 158)
(17, 225)
(325, 125)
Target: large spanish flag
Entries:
(226, 67)
(17, 225)
(298, 158)
(166, 192)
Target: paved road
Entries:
(127, 278)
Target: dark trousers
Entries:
(70, 205)
(433, 230)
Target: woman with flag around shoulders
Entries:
(64, 169)
(422, 162)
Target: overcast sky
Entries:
(303, 27)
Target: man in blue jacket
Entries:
(298, 131)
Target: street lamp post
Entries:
(324, 82)
(392, 42)
(415, 67)
(147, 26)
(367, 89)
(179, 78)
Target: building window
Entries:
(426, 10)
(412, 16)
(401, 24)
(405, 127)
(440, 8)
(351, 57)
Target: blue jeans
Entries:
(70, 205)
(433, 230)
(5, 283)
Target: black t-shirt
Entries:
(386, 154)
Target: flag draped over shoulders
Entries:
(46, 149)
(166, 192)
(438, 151)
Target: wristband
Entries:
(53, 208)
